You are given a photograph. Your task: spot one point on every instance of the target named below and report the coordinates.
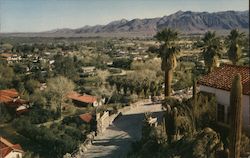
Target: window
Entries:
(220, 113)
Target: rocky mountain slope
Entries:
(187, 22)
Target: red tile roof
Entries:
(86, 117)
(222, 77)
(7, 95)
(6, 147)
(10, 98)
(82, 98)
(6, 55)
(9, 92)
(5, 151)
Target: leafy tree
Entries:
(131, 86)
(138, 88)
(211, 46)
(206, 143)
(146, 87)
(65, 66)
(168, 52)
(32, 85)
(125, 86)
(19, 68)
(153, 88)
(5, 114)
(234, 43)
(6, 76)
(118, 85)
(58, 88)
(7, 46)
(122, 63)
(38, 98)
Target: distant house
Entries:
(88, 71)
(10, 58)
(9, 150)
(219, 83)
(84, 100)
(11, 99)
(110, 63)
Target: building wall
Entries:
(14, 154)
(223, 97)
(80, 104)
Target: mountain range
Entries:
(187, 22)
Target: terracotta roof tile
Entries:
(5, 151)
(5, 99)
(86, 117)
(10, 97)
(9, 92)
(6, 147)
(6, 55)
(222, 77)
(82, 98)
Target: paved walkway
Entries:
(116, 140)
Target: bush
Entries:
(5, 114)
(115, 70)
(54, 142)
(124, 63)
(74, 133)
(38, 115)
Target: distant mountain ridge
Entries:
(187, 22)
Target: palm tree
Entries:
(234, 43)
(211, 49)
(146, 86)
(153, 88)
(168, 52)
(125, 86)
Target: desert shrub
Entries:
(115, 70)
(206, 143)
(184, 80)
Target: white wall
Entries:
(14, 154)
(223, 97)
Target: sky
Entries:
(44, 15)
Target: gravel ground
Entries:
(116, 140)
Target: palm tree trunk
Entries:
(168, 79)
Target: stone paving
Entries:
(116, 140)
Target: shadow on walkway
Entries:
(130, 125)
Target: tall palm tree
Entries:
(167, 53)
(234, 43)
(211, 49)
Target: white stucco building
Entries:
(219, 83)
(9, 150)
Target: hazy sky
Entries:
(41, 15)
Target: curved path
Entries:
(116, 140)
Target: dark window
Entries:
(220, 113)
